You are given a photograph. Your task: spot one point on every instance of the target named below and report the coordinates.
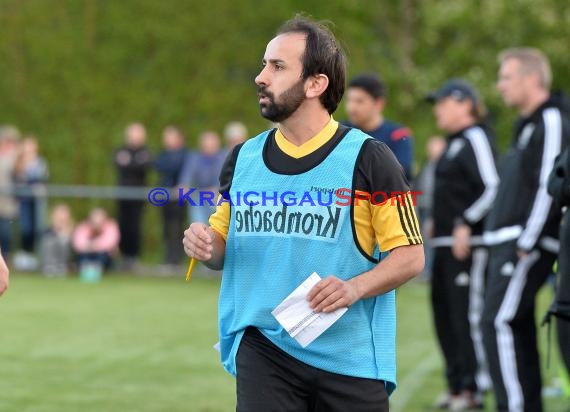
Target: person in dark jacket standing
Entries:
(559, 188)
(169, 163)
(132, 161)
(365, 104)
(466, 182)
(522, 229)
(31, 170)
(200, 171)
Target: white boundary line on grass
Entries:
(410, 384)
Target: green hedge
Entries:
(74, 72)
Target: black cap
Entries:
(459, 89)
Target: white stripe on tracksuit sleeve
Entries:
(543, 201)
(488, 173)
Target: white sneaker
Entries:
(458, 403)
(443, 401)
(467, 401)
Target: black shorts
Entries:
(270, 380)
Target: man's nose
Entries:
(498, 85)
(262, 78)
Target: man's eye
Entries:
(278, 67)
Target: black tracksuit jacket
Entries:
(466, 182)
(523, 210)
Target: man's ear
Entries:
(535, 80)
(380, 103)
(316, 85)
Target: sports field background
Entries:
(145, 344)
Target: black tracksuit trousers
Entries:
(457, 303)
(509, 328)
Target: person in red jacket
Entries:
(96, 240)
(4, 276)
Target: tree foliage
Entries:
(75, 72)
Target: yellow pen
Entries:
(190, 269)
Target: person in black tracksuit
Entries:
(132, 162)
(559, 188)
(466, 181)
(522, 229)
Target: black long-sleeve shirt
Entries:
(523, 210)
(132, 165)
(559, 180)
(466, 182)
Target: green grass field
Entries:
(145, 344)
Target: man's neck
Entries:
(462, 124)
(302, 126)
(373, 123)
(534, 101)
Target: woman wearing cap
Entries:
(466, 181)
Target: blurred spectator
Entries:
(425, 183)
(96, 239)
(4, 276)
(169, 164)
(365, 103)
(522, 227)
(9, 137)
(132, 161)
(55, 248)
(201, 171)
(234, 134)
(559, 189)
(31, 170)
(466, 183)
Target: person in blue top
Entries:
(365, 104)
(200, 171)
(270, 244)
(169, 164)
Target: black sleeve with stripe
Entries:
(559, 179)
(545, 144)
(227, 172)
(378, 170)
(481, 174)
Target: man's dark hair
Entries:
(370, 83)
(323, 55)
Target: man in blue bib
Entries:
(309, 196)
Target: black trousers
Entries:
(456, 298)
(28, 224)
(563, 328)
(270, 380)
(509, 329)
(173, 217)
(130, 219)
(563, 290)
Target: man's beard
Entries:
(290, 100)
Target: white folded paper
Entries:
(297, 317)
